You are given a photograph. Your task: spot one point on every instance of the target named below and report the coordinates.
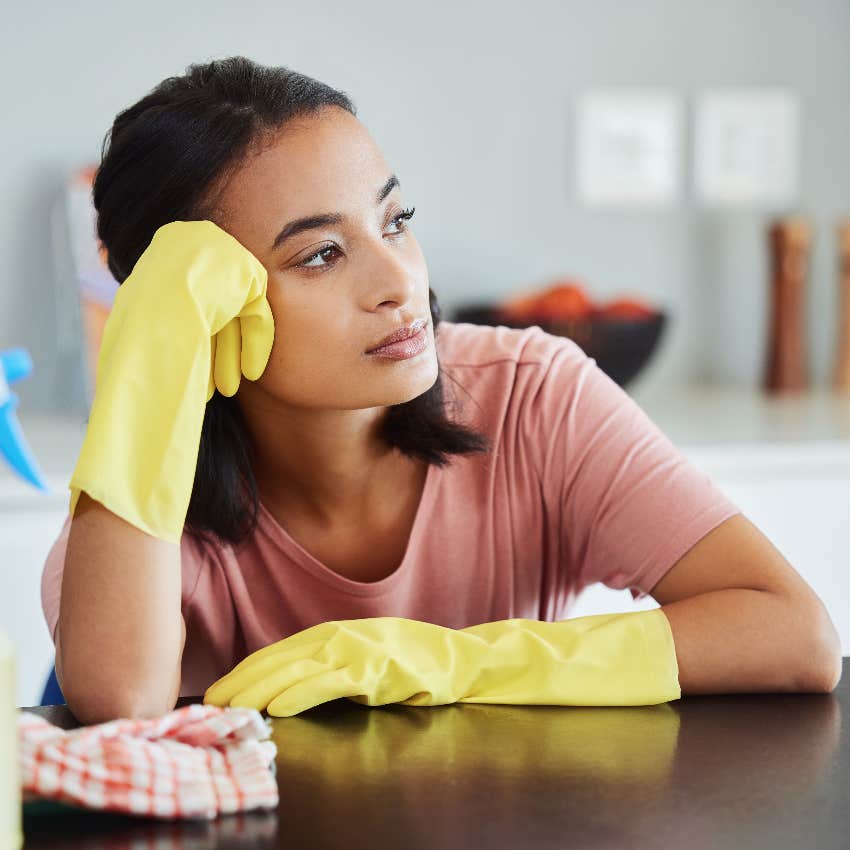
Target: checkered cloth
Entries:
(197, 761)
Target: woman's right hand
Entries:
(191, 317)
(225, 284)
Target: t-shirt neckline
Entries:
(281, 538)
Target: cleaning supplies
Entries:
(11, 834)
(191, 317)
(601, 659)
(15, 363)
(197, 761)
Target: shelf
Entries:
(726, 415)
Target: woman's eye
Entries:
(404, 215)
(308, 262)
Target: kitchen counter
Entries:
(761, 771)
(55, 440)
(723, 415)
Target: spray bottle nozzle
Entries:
(15, 364)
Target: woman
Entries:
(335, 483)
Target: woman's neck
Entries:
(327, 467)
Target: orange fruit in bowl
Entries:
(562, 301)
(565, 302)
(626, 309)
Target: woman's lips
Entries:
(405, 348)
(399, 334)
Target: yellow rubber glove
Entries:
(602, 659)
(190, 317)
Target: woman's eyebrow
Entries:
(310, 222)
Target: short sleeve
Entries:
(51, 578)
(629, 503)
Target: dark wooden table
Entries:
(736, 771)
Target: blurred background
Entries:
(665, 182)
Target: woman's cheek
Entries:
(274, 293)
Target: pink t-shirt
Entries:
(580, 487)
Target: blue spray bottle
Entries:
(16, 363)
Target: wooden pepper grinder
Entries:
(787, 367)
(841, 379)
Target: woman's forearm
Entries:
(742, 640)
(120, 633)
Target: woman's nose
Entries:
(394, 273)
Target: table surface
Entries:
(728, 771)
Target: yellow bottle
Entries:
(11, 835)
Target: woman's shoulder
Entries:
(508, 375)
(467, 344)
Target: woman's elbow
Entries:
(89, 708)
(91, 705)
(825, 660)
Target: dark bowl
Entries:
(620, 347)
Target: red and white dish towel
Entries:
(197, 761)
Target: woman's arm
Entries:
(120, 621)
(120, 634)
(744, 620)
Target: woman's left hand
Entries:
(373, 661)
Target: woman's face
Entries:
(338, 289)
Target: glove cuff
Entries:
(601, 659)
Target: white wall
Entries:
(471, 104)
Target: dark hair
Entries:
(165, 155)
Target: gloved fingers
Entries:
(252, 669)
(257, 280)
(310, 639)
(261, 692)
(257, 324)
(211, 381)
(322, 687)
(227, 360)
